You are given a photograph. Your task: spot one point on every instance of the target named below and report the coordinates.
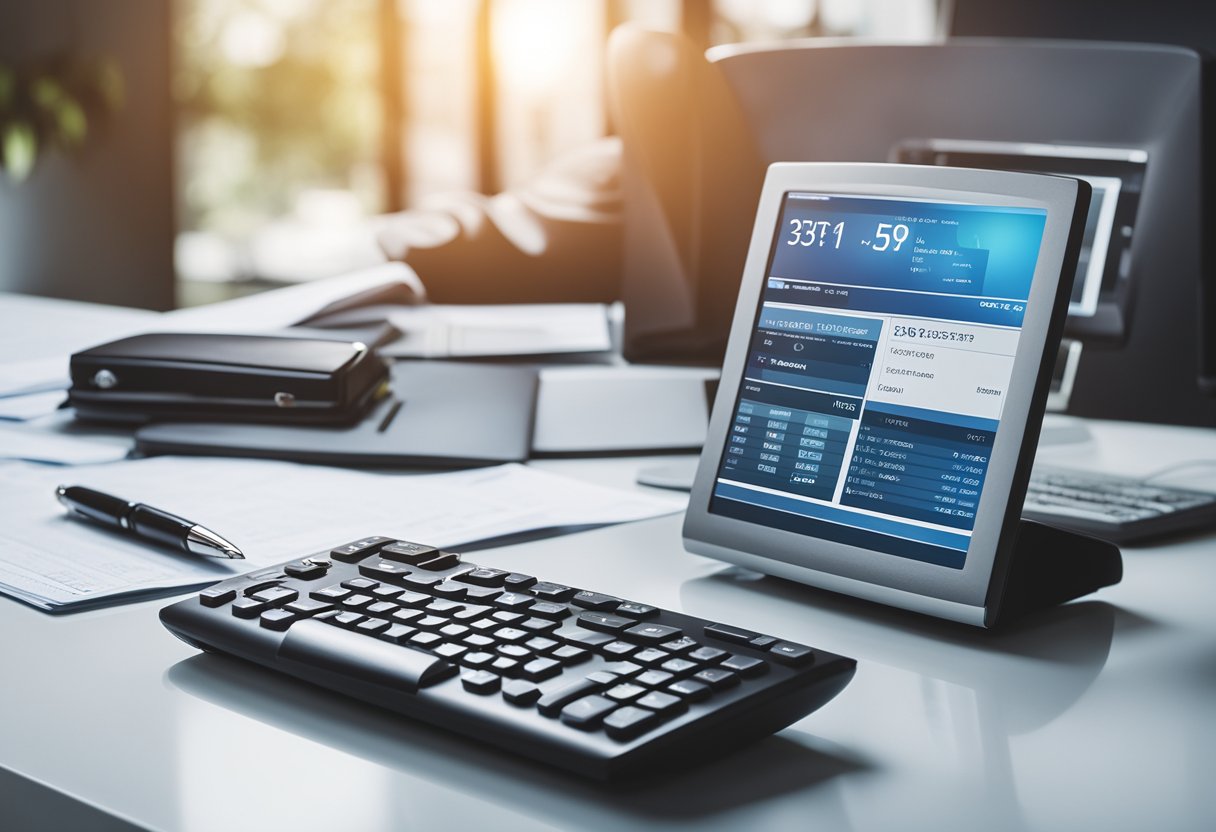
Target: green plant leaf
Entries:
(110, 83)
(73, 124)
(47, 92)
(19, 149)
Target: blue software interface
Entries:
(878, 370)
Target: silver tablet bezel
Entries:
(960, 594)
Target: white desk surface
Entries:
(1097, 715)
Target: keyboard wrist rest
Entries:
(319, 646)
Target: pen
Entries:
(145, 521)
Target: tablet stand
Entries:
(1051, 566)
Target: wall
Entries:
(97, 225)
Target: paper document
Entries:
(30, 406)
(393, 283)
(39, 443)
(440, 331)
(272, 511)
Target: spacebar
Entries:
(326, 647)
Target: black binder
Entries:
(444, 414)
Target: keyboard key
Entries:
(276, 595)
(444, 560)
(444, 607)
(569, 655)
(513, 651)
(746, 666)
(430, 622)
(514, 601)
(216, 596)
(357, 551)
(482, 594)
(411, 553)
(398, 633)
(788, 652)
(689, 689)
(595, 601)
(477, 658)
(625, 692)
(305, 607)
(548, 609)
(679, 667)
(551, 704)
(654, 678)
(331, 593)
(418, 580)
(484, 576)
(583, 638)
(386, 592)
(470, 612)
(548, 591)
(587, 713)
(484, 625)
(507, 617)
(679, 645)
(603, 677)
(372, 626)
(451, 590)
(650, 657)
(505, 666)
(355, 602)
(664, 704)
(347, 619)
(762, 641)
(625, 670)
(450, 651)
(717, 678)
(618, 649)
(478, 642)
(410, 617)
(520, 692)
(604, 622)
(540, 669)
(409, 598)
(480, 681)
(635, 610)
(629, 722)
(262, 580)
(724, 632)
(425, 639)
(653, 633)
(248, 607)
(308, 569)
(382, 609)
(454, 631)
(539, 625)
(708, 655)
(517, 581)
(540, 644)
(276, 619)
(511, 635)
(383, 570)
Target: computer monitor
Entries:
(1126, 117)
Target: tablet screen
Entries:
(877, 371)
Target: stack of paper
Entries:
(273, 511)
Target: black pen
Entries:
(145, 521)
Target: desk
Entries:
(1097, 715)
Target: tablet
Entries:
(888, 365)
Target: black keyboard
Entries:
(1119, 509)
(606, 687)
